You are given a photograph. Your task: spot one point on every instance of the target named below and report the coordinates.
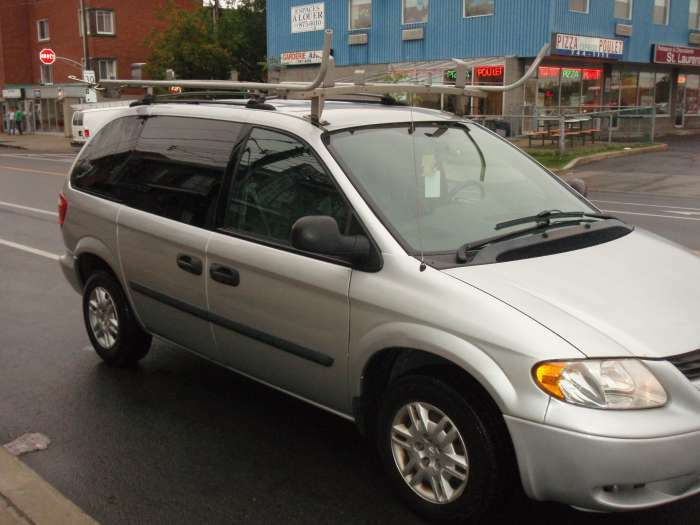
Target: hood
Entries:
(637, 295)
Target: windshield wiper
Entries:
(544, 218)
(541, 225)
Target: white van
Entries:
(87, 122)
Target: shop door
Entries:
(680, 102)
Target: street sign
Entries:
(47, 56)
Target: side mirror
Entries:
(580, 186)
(320, 234)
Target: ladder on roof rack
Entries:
(324, 84)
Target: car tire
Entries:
(478, 452)
(111, 325)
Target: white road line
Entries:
(27, 208)
(648, 205)
(654, 215)
(29, 249)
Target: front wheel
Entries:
(113, 330)
(443, 454)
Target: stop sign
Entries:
(47, 56)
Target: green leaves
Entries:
(197, 49)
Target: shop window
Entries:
(478, 7)
(360, 14)
(628, 91)
(488, 76)
(623, 9)
(591, 88)
(611, 95)
(692, 94)
(578, 6)
(42, 30)
(548, 89)
(694, 16)
(662, 97)
(647, 83)
(661, 11)
(46, 74)
(415, 11)
(570, 91)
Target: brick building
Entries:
(117, 30)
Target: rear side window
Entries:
(78, 118)
(103, 158)
(177, 167)
(278, 181)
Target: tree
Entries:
(195, 47)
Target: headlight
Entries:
(616, 384)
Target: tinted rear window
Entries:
(172, 167)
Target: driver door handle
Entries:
(224, 275)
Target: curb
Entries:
(611, 155)
(28, 498)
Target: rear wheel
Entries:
(443, 454)
(111, 325)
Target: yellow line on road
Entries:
(40, 172)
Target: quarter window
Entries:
(578, 6)
(661, 11)
(278, 181)
(42, 30)
(415, 11)
(178, 166)
(694, 16)
(360, 14)
(623, 9)
(478, 7)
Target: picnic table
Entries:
(574, 127)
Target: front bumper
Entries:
(603, 473)
(69, 267)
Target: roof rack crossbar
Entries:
(324, 84)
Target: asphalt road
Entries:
(181, 441)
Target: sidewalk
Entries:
(36, 143)
(26, 499)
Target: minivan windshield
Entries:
(438, 186)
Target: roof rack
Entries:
(324, 85)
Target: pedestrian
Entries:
(19, 120)
(11, 118)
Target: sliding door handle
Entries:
(224, 275)
(190, 264)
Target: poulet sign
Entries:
(308, 17)
(587, 46)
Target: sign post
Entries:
(91, 92)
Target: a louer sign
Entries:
(309, 17)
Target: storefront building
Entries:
(605, 54)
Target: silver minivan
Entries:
(482, 322)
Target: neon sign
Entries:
(489, 71)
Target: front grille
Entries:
(688, 363)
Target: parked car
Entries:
(87, 122)
(483, 323)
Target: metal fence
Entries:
(570, 130)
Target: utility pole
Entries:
(84, 19)
(215, 14)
